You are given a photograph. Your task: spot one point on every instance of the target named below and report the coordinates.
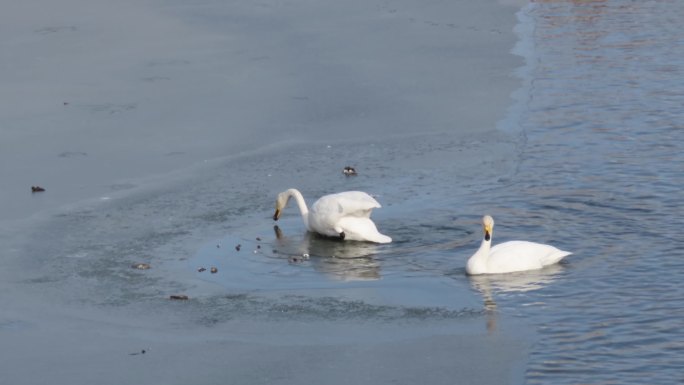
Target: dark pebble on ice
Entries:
(258, 239)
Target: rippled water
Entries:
(601, 170)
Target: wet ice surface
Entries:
(352, 304)
(161, 129)
(96, 92)
(171, 227)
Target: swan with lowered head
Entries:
(344, 215)
(510, 256)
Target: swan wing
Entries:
(522, 255)
(348, 203)
(346, 212)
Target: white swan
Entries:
(345, 215)
(510, 256)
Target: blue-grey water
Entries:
(589, 159)
(601, 169)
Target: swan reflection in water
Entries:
(336, 259)
(519, 282)
(511, 284)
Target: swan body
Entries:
(344, 215)
(510, 256)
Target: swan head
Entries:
(281, 202)
(488, 227)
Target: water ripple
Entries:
(602, 162)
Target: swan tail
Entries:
(362, 229)
(555, 257)
(380, 238)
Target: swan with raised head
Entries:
(510, 256)
(344, 215)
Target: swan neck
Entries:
(483, 251)
(477, 264)
(303, 209)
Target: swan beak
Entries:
(276, 215)
(487, 232)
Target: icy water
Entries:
(589, 159)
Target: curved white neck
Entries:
(477, 264)
(294, 193)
